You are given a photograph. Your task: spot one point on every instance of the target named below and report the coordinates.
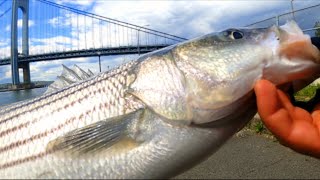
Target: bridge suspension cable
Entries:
(121, 23)
(2, 2)
(5, 12)
(58, 32)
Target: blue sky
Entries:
(187, 19)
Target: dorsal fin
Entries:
(90, 72)
(81, 73)
(68, 77)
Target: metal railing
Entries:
(307, 18)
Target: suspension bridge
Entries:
(41, 30)
(51, 31)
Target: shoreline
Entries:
(22, 88)
(33, 85)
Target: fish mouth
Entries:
(294, 44)
(298, 60)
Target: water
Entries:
(15, 96)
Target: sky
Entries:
(187, 19)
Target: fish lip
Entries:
(292, 39)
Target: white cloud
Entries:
(185, 18)
(4, 42)
(39, 71)
(76, 2)
(194, 18)
(60, 21)
(4, 52)
(48, 45)
(5, 74)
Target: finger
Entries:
(316, 117)
(286, 103)
(279, 123)
(296, 113)
(267, 98)
(304, 138)
(272, 107)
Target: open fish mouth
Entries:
(295, 57)
(294, 44)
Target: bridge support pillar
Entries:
(24, 6)
(26, 72)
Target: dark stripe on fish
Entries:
(45, 97)
(94, 82)
(26, 124)
(35, 137)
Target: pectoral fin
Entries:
(100, 135)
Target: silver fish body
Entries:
(150, 118)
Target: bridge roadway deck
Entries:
(85, 53)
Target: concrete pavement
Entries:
(252, 156)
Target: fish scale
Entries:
(50, 112)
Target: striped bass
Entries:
(156, 116)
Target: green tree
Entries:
(317, 25)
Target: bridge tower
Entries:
(24, 6)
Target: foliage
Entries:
(307, 93)
(259, 127)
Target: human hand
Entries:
(294, 127)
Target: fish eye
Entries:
(237, 35)
(234, 34)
